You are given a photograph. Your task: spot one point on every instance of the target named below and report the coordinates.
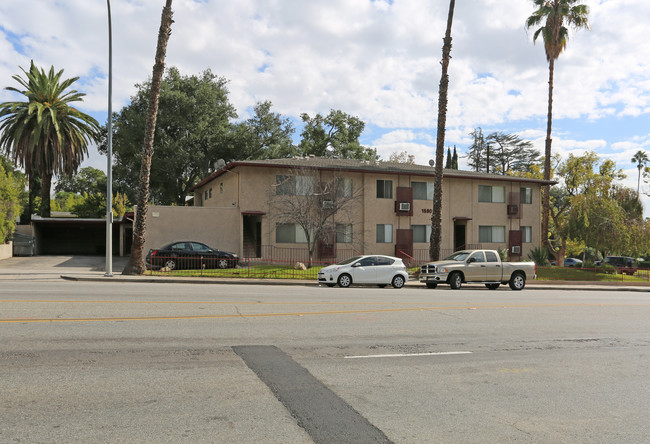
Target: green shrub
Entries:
(539, 255)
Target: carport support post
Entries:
(109, 155)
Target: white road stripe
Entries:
(407, 355)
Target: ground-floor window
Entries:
(421, 233)
(344, 233)
(527, 234)
(289, 234)
(491, 233)
(384, 233)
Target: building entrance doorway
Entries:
(459, 235)
(252, 229)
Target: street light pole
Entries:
(109, 168)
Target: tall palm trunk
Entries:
(136, 261)
(436, 216)
(546, 204)
(46, 187)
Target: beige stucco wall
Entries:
(248, 189)
(217, 227)
(6, 250)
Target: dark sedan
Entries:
(190, 255)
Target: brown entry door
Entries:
(404, 244)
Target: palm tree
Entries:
(436, 216)
(641, 159)
(136, 261)
(46, 135)
(551, 16)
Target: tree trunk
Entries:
(547, 158)
(46, 186)
(436, 216)
(136, 263)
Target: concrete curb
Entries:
(534, 285)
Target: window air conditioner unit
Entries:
(513, 209)
(405, 206)
(516, 249)
(328, 204)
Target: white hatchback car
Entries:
(371, 269)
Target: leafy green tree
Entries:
(454, 160)
(192, 132)
(266, 135)
(87, 180)
(552, 18)
(511, 153)
(449, 161)
(477, 153)
(11, 189)
(45, 134)
(334, 135)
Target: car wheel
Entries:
(381, 285)
(170, 263)
(222, 263)
(331, 285)
(517, 281)
(431, 285)
(345, 280)
(455, 280)
(398, 281)
(492, 286)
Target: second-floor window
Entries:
(344, 187)
(384, 189)
(526, 195)
(294, 185)
(488, 193)
(422, 190)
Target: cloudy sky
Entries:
(376, 59)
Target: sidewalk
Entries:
(91, 269)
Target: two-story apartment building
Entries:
(377, 207)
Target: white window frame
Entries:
(526, 194)
(297, 235)
(526, 235)
(343, 233)
(384, 183)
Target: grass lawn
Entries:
(588, 274)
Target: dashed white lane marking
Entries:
(409, 355)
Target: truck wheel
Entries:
(455, 280)
(431, 285)
(492, 286)
(517, 281)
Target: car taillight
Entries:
(154, 252)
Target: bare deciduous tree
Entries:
(308, 204)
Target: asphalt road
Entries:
(139, 362)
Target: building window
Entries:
(384, 233)
(210, 193)
(384, 189)
(526, 195)
(422, 190)
(491, 234)
(421, 233)
(343, 233)
(344, 187)
(289, 234)
(206, 195)
(294, 185)
(527, 234)
(221, 188)
(492, 194)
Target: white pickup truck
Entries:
(478, 266)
